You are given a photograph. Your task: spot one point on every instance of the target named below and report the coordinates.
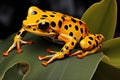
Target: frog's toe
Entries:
(44, 63)
(5, 53)
(19, 51)
(40, 57)
(51, 51)
(29, 42)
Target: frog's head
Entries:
(35, 24)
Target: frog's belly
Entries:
(54, 39)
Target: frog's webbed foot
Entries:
(17, 43)
(54, 55)
(19, 50)
(43, 58)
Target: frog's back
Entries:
(65, 24)
(75, 28)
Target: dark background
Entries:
(12, 12)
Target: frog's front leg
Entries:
(70, 43)
(17, 42)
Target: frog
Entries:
(60, 28)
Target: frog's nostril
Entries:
(43, 26)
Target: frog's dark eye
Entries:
(43, 26)
(33, 12)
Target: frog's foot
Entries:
(51, 58)
(43, 58)
(17, 43)
(19, 50)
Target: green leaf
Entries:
(111, 48)
(14, 72)
(106, 72)
(66, 69)
(101, 18)
(109, 68)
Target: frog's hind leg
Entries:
(90, 52)
(90, 44)
(82, 54)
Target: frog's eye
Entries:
(33, 12)
(43, 26)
